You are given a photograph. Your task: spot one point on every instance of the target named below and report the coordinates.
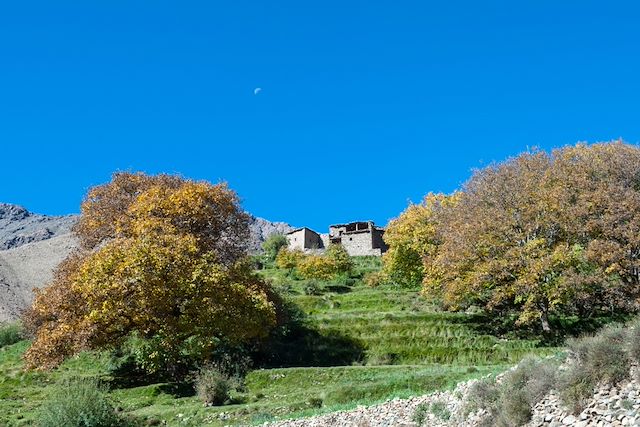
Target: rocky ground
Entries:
(610, 406)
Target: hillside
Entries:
(359, 345)
(32, 245)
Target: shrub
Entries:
(212, 386)
(375, 278)
(315, 402)
(440, 410)
(601, 358)
(634, 341)
(420, 414)
(312, 287)
(510, 403)
(339, 257)
(272, 245)
(78, 402)
(288, 260)
(10, 333)
(316, 267)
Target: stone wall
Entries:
(304, 239)
(360, 244)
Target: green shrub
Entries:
(272, 245)
(10, 333)
(510, 403)
(601, 358)
(634, 341)
(420, 414)
(340, 258)
(315, 402)
(312, 287)
(440, 410)
(212, 386)
(78, 403)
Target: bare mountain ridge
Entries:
(32, 245)
(18, 226)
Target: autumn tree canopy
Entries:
(164, 259)
(537, 235)
(413, 240)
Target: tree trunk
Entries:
(544, 320)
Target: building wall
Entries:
(304, 239)
(296, 239)
(378, 241)
(312, 240)
(360, 244)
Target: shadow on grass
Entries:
(562, 327)
(302, 346)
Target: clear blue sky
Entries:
(364, 104)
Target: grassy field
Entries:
(389, 343)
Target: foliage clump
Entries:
(78, 402)
(603, 358)
(164, 259)
(413, 239)
(10, 333)
(212, 386)
(334, 262)
(510, 402)
(273, 245)
(538, 236)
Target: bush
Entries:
(420, 414)
(375, 278)
(339, 257)
(78, 402)
(601, 358)
(312, 288)
(510, 403)
(440, 410)
(288, 260)
(634, 341)
(273, 245)
(212, 386)
(10, 333)
(317, 267)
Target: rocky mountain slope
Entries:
(32, 245)
(18, 226)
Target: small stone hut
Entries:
(304, 239)
(358, 238)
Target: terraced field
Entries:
(390, 343)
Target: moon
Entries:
(257, 90)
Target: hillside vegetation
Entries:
(386, 343)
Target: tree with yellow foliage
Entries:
(413, 239)
(543, 234)
(170, 269)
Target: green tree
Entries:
(272, 245)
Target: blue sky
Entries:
(364, 106)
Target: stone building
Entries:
(358, 238)
(304, 239)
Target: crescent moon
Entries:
(257, 90)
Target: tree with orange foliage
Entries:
(168, 266)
